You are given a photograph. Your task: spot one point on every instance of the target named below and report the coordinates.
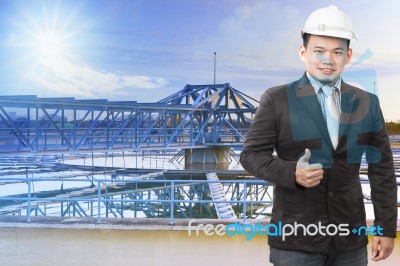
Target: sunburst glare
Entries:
(47, 37)
(51, 44)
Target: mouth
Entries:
(327, 70)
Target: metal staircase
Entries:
(224, 210)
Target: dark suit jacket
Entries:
(289, 120)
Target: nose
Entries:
(327, 60)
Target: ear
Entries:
(302, 53)
(349, 54)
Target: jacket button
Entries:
(330, 194)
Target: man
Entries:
(320, 127)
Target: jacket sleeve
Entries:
(257, 155)
(381, 174)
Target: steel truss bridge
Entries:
(196, 116)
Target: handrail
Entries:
(102, 184)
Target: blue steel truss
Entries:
(155, 198)
(196, 116)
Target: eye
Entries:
(318, 51)
(339, 52)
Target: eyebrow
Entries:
(323, 48)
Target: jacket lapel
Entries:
(354, 107)
(348, 98)
(306, 95)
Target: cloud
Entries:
(257, 41)
(10, 39)
(64, 77)
(261, 35)
(143, 82)
(266, 34)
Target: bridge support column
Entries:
(212, 158)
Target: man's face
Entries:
(325, 57)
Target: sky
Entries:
(145, 50)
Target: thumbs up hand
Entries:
(308, 175)
(303, 161)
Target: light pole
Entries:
(215, 65)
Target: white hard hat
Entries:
(330, 21)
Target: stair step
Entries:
(224, 210)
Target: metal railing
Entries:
(100, 196)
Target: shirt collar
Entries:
(317, 84)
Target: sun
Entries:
(47, 33)
(50, 44)
(49, 39)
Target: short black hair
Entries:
(306, 39)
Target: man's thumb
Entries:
(304, 159)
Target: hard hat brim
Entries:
(331, 32)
